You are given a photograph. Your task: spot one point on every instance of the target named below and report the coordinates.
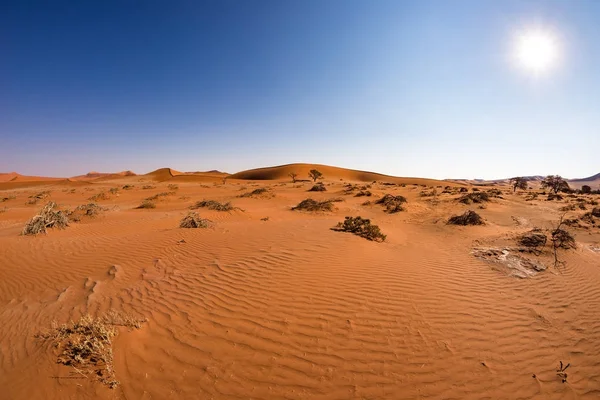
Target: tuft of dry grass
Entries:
(159, 195)
(86, 344)
(85, 210)
(193, 220)
(33, 199)
(256, 192)
(48, 217)
(147, 204)
(318, 187)
(393, 204)
(172, 186)
(475, 197)
(363, 193)
(114, 190)
(146, 187)
(468, 218)
(99, 196)
(213, 205)
(3, 199)
(533, 240)
(361, 227)
(128, 187)
(313, 205)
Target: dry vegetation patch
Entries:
(260, 192)
(468, 218)
(147, 204)
(49, 217)
(392, 204)
(86, 344)
(318, 187)
(99, 196)
(213, 205)
(313, 205)
(85, 210)
(361, 227)
(475, 197)
(193, 220)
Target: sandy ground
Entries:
(286, 308)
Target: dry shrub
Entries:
(86, 344)
(361, 227)
(114, 190)
(313, 205)
(476, 197)
(533, 239)
(531, 196)
(3, 199)
(393, 204)
(99, 196)
(147, 204)
(468, 218)
(159, 195)
(554, 196)
(85, 210)
(172, 186)
(33, 199)
(146, 187)
(193, 220)
(128, 187)
(362, 193)
(256, 192)
(48, 217)
(318, 187)
(562, 239)
(568, 207)
(494, 193)
(595, 212)
(213, 205)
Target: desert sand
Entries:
(270, 303)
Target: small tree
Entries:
(518, 183)
(293, 175)
(556, 183)
(585, 189)
(314, 175)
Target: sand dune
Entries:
(95, 175)
(286, 308)
(15, 177)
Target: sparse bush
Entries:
(533, 239)
(3, 199)
(146, 187)
(172, 186)
(33, 199)
(99, 196)
(213, 205)
(585, 189)
(159, 195)
(147, 204)
(315, 174)
(48, 217)
(193, 220)
(476, 197)
(364, 193)
(531, 196)
(468, 218)
(256, 192)
(319, 187)
(313, 205)
(554, 196)
(128, 187)
(87, 210)
(361, 227)
(562, 239)
(393, 204)
(595, 212)
(114, 190)
(568, 207)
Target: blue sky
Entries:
(408, 88)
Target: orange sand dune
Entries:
(15, 177)
(95, 175)
(270, 303)
(282, 172)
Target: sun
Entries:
(537, 50)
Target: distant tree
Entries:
(293, 175)
(314, 175)
(585, 189)
(518, 183)
(556, 183)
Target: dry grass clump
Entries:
(128, 187)
(318, 187)
(99, 196)
(146, 187)
(595, 212)
(173, 186)
(468, 218)
(364, 193)
(3, 199)
(159, 195)
(256, 192)
(531, 196)
(562, 239)
(86, 344)
(213, 205)
(193, 220)
(85, 210)
(475, 197)
(147, 204)
(33, 199)
(533, 240)
(361, 227)
(313, 205)
(393, 204)
(554, 196)
(114, 190)
(48, 217)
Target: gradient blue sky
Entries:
(407, 88)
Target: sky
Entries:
(426, 88)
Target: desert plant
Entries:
(315, 174)
(213, 205)
(86, 344)
(555, 183)
(531, 196)
(48, 217)
(554, 196)
(159, 195)
(468, 218)
(256, 192)
(475, 197)
(88, 210)
(313, 205)
(3, 199)
(147, 204)
(146, 187)
(128, 187)
(99, 196)
(561, 239)
(585, 189)
(363, 193)
(533, 240)
(193, 220)
(518, 183)
(318, 187)
(595, 212)
(294, 176)
(114, 190)
(392, 203)
(172, 186)
(361, 227)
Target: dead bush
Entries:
(318, 187)
(85, 210)
(48, 217)
(533, 239)
(364, 193)
(193, 220)
(475, 197)
(172, 186)
(554, 196)
(313, 205)
(128, 187)
(146, 187)
(3, 199)
(86, 344)
(392, 204)
(114, 190)
(147, 204)
(257, 193)
(99, 196)
(468, 218)
(158, 196)
(213, 205)
(361, 227)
